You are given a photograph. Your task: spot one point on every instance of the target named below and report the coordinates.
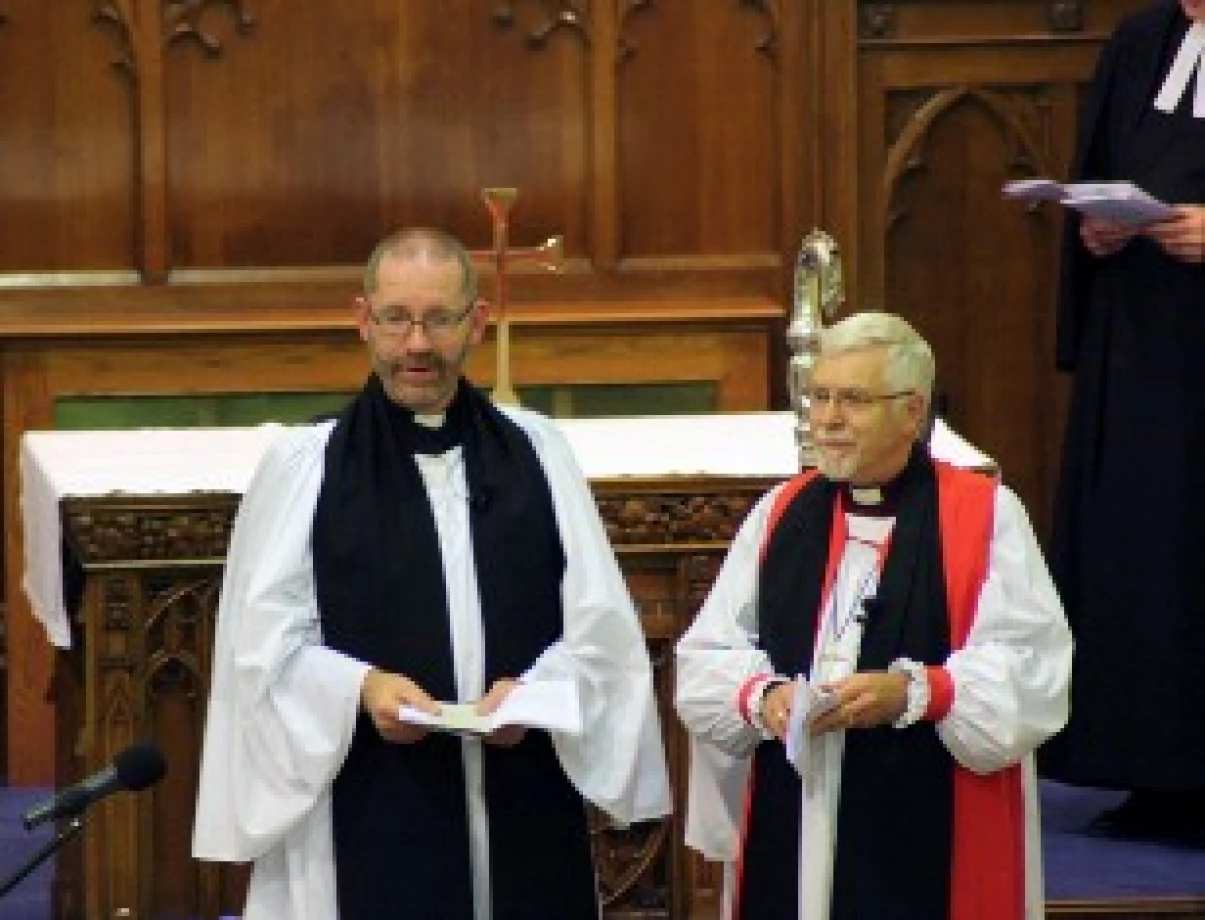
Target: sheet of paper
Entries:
(1035, 190)
(548, 704)
(1121, 202)
(1136, 211)
(807, 705)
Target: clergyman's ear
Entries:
(362, 311)
(479, 320)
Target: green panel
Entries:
(194, 411)
(607, 400)
(243, 409)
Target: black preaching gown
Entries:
(1129, 535)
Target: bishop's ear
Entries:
(918, 413)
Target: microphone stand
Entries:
(73, 827)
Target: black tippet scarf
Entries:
(894, 820)
(400, 816)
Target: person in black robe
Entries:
(1129, 522)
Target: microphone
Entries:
(133, 769)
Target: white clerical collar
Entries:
(866, 495)
(1189, 59)
(429, 421)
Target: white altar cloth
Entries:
(54, 465)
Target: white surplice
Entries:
(283, 706)
(1010, 682)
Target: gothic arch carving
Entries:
(554, 16)
(906, 155)
(182, 19)
(181, 22)
(767, 43)
(628, 8)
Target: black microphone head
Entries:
(139, 766)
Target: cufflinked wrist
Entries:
(918, 691)
(759, 699)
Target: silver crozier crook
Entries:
(819, 291)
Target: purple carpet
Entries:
(30, 899)
(1079, 866)
(1083, 866)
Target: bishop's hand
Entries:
(383, 694)
(867, 699)
(776, 708)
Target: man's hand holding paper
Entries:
(383, 693)
(808, 704)
(867, 699)
(548, 704)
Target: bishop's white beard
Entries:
(838, 467)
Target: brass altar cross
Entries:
(548, 254)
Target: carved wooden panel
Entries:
(66, 165)
(673, 518)
(975, 271)
(145, 653)
(709, 119)
(271, 138)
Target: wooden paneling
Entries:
(341, 119)
(205, 179)
(697, 95)
(266, 133)
(66, 173)
(190, 189)
(955, 98)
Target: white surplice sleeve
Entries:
(719, 653)
(283, 707)
(714, 658)
(618, 762)
(1012, 677)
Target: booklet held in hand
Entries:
(547, 704)
(1120, 202)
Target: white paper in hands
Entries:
(549, 704)
(807, 705)
(1121, 202)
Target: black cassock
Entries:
(1129, 538)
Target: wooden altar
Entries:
(139, 664)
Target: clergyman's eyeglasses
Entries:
(436, 324)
